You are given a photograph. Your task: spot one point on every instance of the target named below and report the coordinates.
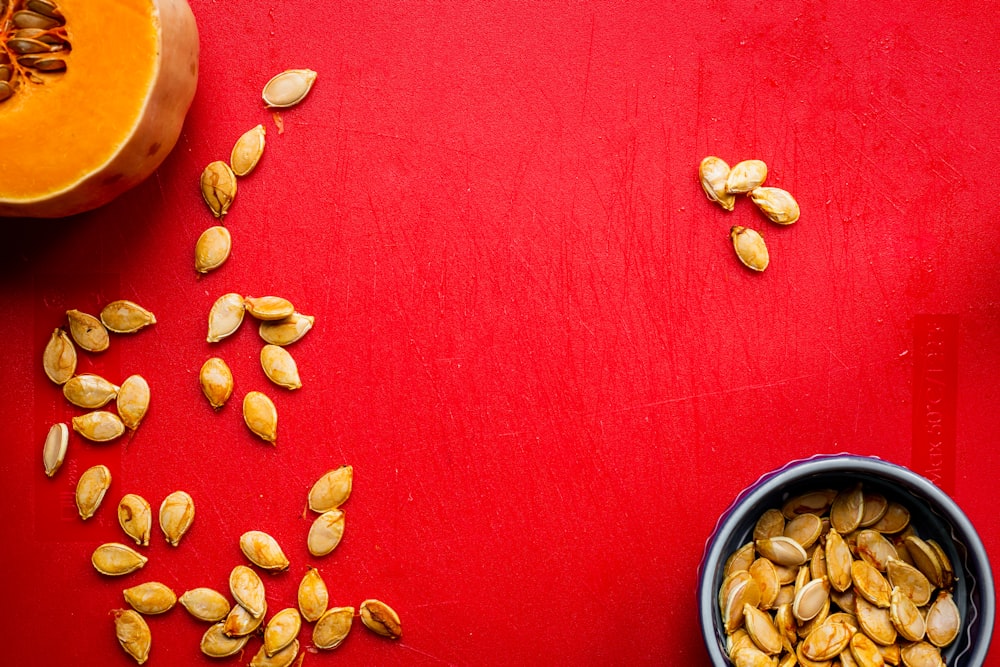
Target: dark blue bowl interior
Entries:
(933, 515)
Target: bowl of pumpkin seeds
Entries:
(845, 560)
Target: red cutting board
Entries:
(533, 340)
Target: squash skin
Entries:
(156, 130)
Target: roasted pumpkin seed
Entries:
(947, 571)
(812, 502)
(288, 88)
(876, 622)
(741, 559)
(770, 524)
(89, 391)
(333, 489)
(59, 357)
(248, 590)
(810, 599)
(313, 596)
(247, 151)
(925, 559)
(712, 174)
(804, 529)
(750, 248)
(906, 617)
(827, 641)
(910, 580)
(260, 415)
(116, 559)
(176, 516)
(212, 249)
(136, 518)
(268, 308)
(282, 658)
(921, 654)
(133, 634)
(263, 550)
(218, 187)
(737, 590)
(205, 604)
(54, 450)
(124, 316)
(225, 317)
(381, 619)
(99, 426)
(766, 576)
(286, 331)
(847, 510)
(758, 625)
(870, 583)
(90, 490)
(133, 401)
(782, 550)
(943, 621)
(151, 597)
(778, 205)
(333, 627)
(326, 532)
(87, 331)
(745, 176)
(215, 643)
(280, 366)
(281, 630)
(240, 622)
(895, 519)
(875, 506)
(216, 382)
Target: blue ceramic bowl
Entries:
(933, 514)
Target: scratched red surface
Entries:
(533, 341)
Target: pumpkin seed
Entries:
(5, 72)
(281, 630)
(712, 174)
(847, 510)
(906, 617)
(216, 382)
(125, 316)
(225, 317)
(782, 550)
(133, 634)
(910, 580)
(813, 502)
(925, 559)
(212, 249)
(288, 88)
(326, 532)
(381, 619)
(751, 656)
(895, 519)
(770, 524)
(778, 205)
(99, 426)
(46, 8)
(876, 622)
(870, 545)
(766, 576)
(737, 590)
(89, 391)
(247, 151)
(54, 450)
(870, 583)
(176, 516)
(135, 517)
(133, 401)
(943, 620)
(286, 331)
(280, 367)
(115, 559)
(87, 331)
(248, 590)
(741, 559)
(50, 65)
(28, 19)
(313, 596)
(921, 654)
(6, 91)
(218, 187)
(875, 506)
(810, 599)
(745, 176)
(268, 308)
(23, 45)
(333, 489)
(750, 248)
(758, 625)
(240, 622)
(838, 561)
(215, 643)
(864, 651)
(827, 641)
(333, 627)
(804, 529)
(90, 490)
(947, 571)
(206, 604)
(151, 597)
(263, 550)
(260, 415)
(282, 658)
(59, 357)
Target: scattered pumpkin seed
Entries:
(745, 176)
(712, 174)
(280, 367)
(240, 622)
(381, 619)
(206, 604)
(286, 331)
(212, 249)
(124, 316)
(215, 643)
(133, 401)
(115, 559)
(263, 550)
(59, 357)
(225, 317)
(269, 308)
(151, 597)
(260, 415)
(99, 426)
(247, 151)
(332, 627)
(313, 596)
(248, 590)
(90, 490)
(326, 532)
(176, 516)
(778, 205)
(332, 489)
(281, 630)
(87, 331)
(54, 450)
(136, 518)
(288, 88)
(750, 248)
(218, 187)
(133, 634)
(216, 382)
(89, 391)
(282, 658)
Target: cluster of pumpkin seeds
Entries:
(721, 185)
(280, 325)
(33, 41)
(838, 577)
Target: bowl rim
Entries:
(962, 532)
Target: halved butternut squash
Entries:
(77, 135)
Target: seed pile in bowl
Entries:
(838, 575)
